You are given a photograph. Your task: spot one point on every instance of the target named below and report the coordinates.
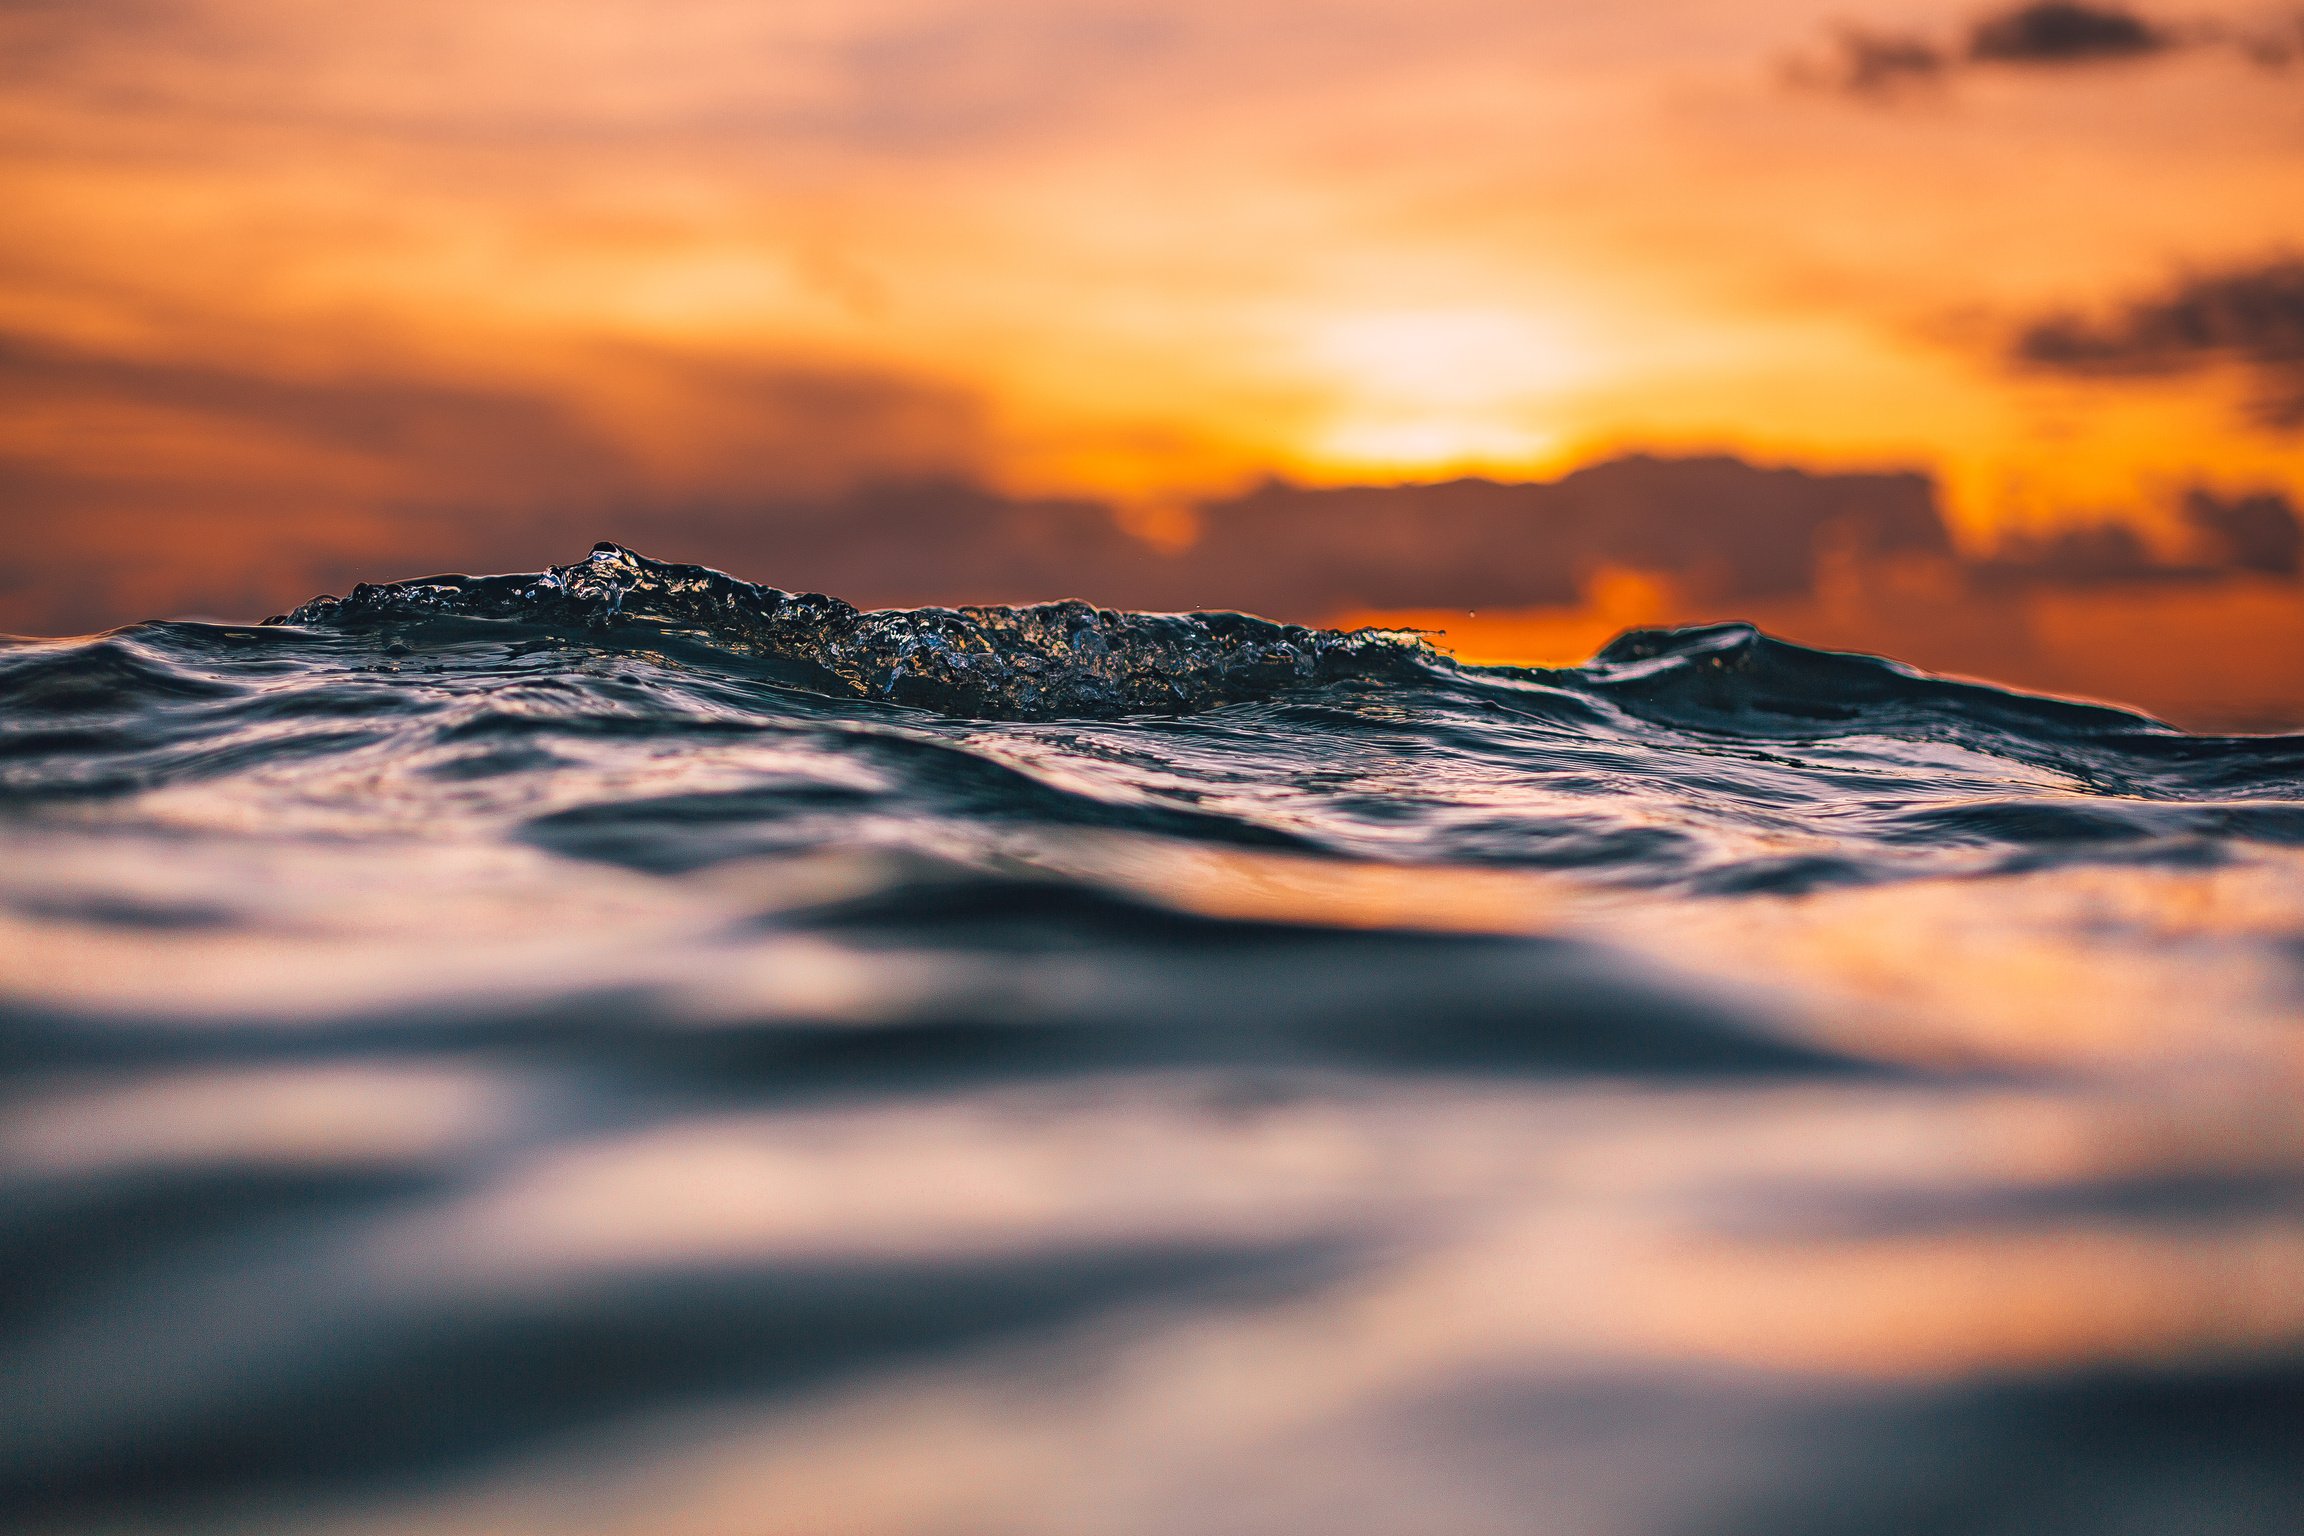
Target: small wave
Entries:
(1715, 673)
(1044, 661)
(111, 675)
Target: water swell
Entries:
(1714, 674)
(1716, 758)
(1046, 661)
(465, 1034)
(1073, 660)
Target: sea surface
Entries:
(621, 1050)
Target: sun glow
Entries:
(1447, 360)
(1423, 391)
(1427, 444)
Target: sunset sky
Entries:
(282, 280)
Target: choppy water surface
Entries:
(626, 1051)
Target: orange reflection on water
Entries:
(1583, 1233)
(2227, 655)
(287, 1116)
(1960, 1303)
(2108, 963)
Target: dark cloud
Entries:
(2251, 317)
(2064, 32)
(1862, 62)
(2049, 34)
(2259, 533)
(2256, 533)
(2090, 554)
(1721, 528)
(1718, 527)
(1725, 533)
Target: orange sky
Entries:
(279, 271)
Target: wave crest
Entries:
(1042, 661)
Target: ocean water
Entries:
(622, 1050)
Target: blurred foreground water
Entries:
(626, 1051)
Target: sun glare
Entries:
(1422, 391)
(1436, 443)
(1446, 359)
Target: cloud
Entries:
(2249, 317)
(2084, 555)
(1718, 527)
(2047, 34)
(1862, 62)
(2064, 32)
(2259, 532)
(2255, 533)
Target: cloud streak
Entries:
(2044, 36)
(2247, 317)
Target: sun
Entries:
(1420, 392)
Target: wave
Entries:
(464, 1043)
(1071, 659)
(1045, 661)
(1713, 756)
